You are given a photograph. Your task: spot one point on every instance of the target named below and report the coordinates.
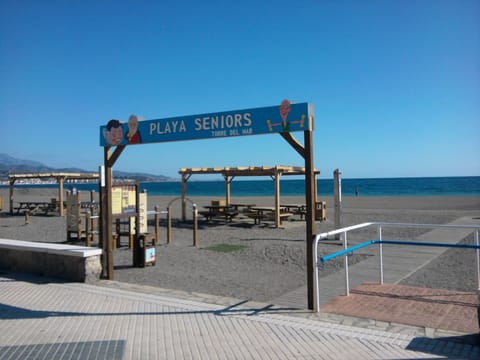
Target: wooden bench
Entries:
(283, 216)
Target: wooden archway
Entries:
(283, 120)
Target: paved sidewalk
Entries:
(51, 320)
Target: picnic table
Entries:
(259, 213)
(296, 209)
(224, 211)
(35, 207)
(242, 207)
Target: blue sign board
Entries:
(285, 117)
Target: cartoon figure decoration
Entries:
(284, 110)
(116, 133)
(133, 135)
(113, 133)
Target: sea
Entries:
(414, 186)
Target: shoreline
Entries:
(429, 202)
(262, 186)
(54, 187)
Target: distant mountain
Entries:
(10, 164)
(140, 176)
(7, 160)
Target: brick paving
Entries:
(432, 308)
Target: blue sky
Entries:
(395, 84)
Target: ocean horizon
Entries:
(415, 186)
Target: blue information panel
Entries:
(285, 117)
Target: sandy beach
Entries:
(268, 262)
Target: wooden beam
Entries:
(113, 157)
(294, 143)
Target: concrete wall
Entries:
(73, 263)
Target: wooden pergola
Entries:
(60, 178)
(229, 173)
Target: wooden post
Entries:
(228, 181)
(61, 209)
(184, 197)
(195, 225)
(169, 225)
(310, 216)
(106, 209)
(116, 238)
(131, 233)
(157, 224)
(277, 199)
(88, 228)
(78, 216)
(306, 151)
(12, 181)
(136, 237)
(106, 218)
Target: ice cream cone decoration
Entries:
(285, 125)
(284, 111)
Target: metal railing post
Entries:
(380, 252)
(316, 292)
(345, 261)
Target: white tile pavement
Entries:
(49, 320)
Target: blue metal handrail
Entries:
(329, 257)
(348, 250)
